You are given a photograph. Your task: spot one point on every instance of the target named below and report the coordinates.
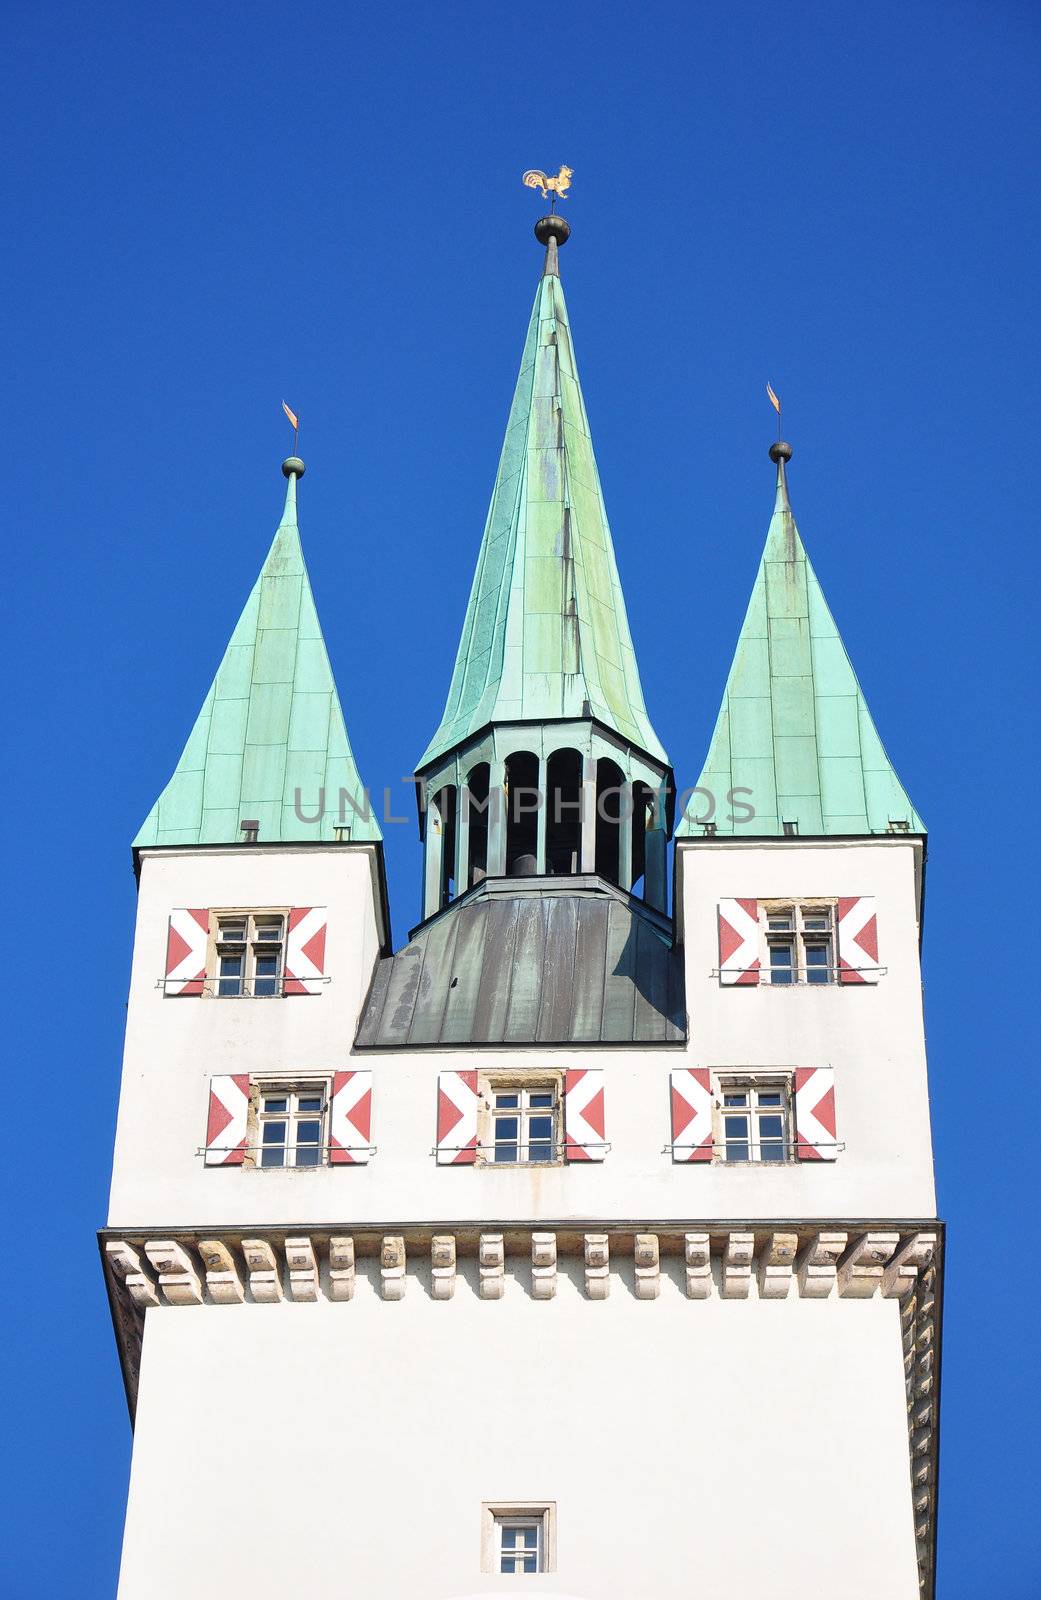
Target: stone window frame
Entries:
(291, 1083)
(727, 1079)
(799, 937)
(498, 1080)
(495, 1512)
(253, 917)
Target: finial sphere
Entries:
(293, 464)
(553, 227)
(780, 451)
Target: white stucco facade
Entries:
(733, 1448)
(727, 1431)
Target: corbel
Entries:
(265, 1273)
(223, 1284)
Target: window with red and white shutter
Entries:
(739, 957)
(305, 950)
(857, 926)
(690, 1092)
(187, 938)
(227, 1120)
(584, 1126)
(813, 1105)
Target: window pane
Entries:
(735, 1131)
(307, 1132)
(815, 923)
(780, 963)
(506, 1128)
(505, 1152)
(507, 1100)
(308, 1155)
(272, 1158)
(540, 1152)
(771, 1128)
(771, 1152)
(779, 922)
(768, 1097)
(735, 1099)
(817, 963)
(266, 963)
(509, 1538)
(274, 1133)
(531, 1538)
(269, 930)
(540, 1127)
(541, 1099)
(310, 1102)
(530, 1564)
(232, 932)
(275, 1103)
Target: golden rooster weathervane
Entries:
(536, 179)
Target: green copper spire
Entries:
(546, 633)
(270, 726)
(794, 730)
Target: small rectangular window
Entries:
(754, 1119)
(518, 1539)
(249, 950)
(525, 1124)
(800, 944)
(291, 1125)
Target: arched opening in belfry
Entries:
(610, 811)
(642, 822)
(477, 800)
(564, 812)
(522, 813)
(444, 803)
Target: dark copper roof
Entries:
(531, 961)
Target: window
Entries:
(249, 954)
(291, 1126)
(754, 1119)
(524, 1122)
(800, 944)
(518, 1538)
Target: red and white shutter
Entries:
(815, 1114)
(457, 1102)
(226, 1122)
(186, 941)
(584, 1114)
(350, 1118)
(739, 941)
(305, 950)
(858, 940)
(691, 1094)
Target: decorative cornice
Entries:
(853, 1260)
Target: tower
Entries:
(576, 1241)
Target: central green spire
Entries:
(546, 634)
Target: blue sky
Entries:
(210, 208)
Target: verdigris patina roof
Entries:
(546, 633)
(794, 734)
(531, 961)
(270, 725)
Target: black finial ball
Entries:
(780, 451)
(553, 227)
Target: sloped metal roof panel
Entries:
(521, 964)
